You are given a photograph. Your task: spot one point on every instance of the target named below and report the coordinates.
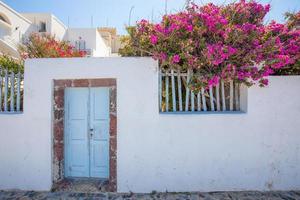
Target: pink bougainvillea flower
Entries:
(264, 82)
(228, 42)
(268, 71)
(213, 81)
(153, 39)
(176, 59)
(189, 28)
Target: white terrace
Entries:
(14, 27)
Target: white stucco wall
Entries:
(16, 20)
(36, 18)
(257, 150)
(58, 28)
(11, 33)
(93, 40)
(102, 50)
(23, 24)
(53, 25)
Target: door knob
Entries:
(91, 132)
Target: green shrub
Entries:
(11, 64)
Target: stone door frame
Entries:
(58, 126)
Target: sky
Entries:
(115, 13)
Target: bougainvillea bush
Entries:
(46, 46)
(289, 34)
(227, 42)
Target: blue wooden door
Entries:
(99, 124)
(87, 132)
(76, 127)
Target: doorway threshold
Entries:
(81, 185)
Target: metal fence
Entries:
(175, 95)
(11, 91)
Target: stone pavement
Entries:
(81, 186)
(251, 195)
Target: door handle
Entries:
(91, 132)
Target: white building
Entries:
(15, 26)
(257, 149)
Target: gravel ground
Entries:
(251, 195)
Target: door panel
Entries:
(99, 122)
(87, 132)
(76, 121)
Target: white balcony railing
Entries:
(5, 25)
(9, 40)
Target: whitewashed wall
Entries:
(93, 40)
(257, 150)
(54, 26)
(57, 28)
(15, 20)
(11, 33)
(101, 50)
(23, 24)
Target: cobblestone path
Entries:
(253, 195)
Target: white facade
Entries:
(53, 25)
(14, 26)
(256, 150)
(90, 40)
(12, 29)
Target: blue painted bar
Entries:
(160, 89)
(231, 96)
(12, 92)
(223, 96)
(167, 93)
(192, 101)
(198, 102)
(187, 93)
(211, 97)
(18, 91)
(1, 89)
(173, 91)
(5, 90)
(10, 113)
(204, 113)
(179, 90)
(218, 96)
(203, 99)
(236, 94)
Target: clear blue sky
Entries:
(116, 12)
